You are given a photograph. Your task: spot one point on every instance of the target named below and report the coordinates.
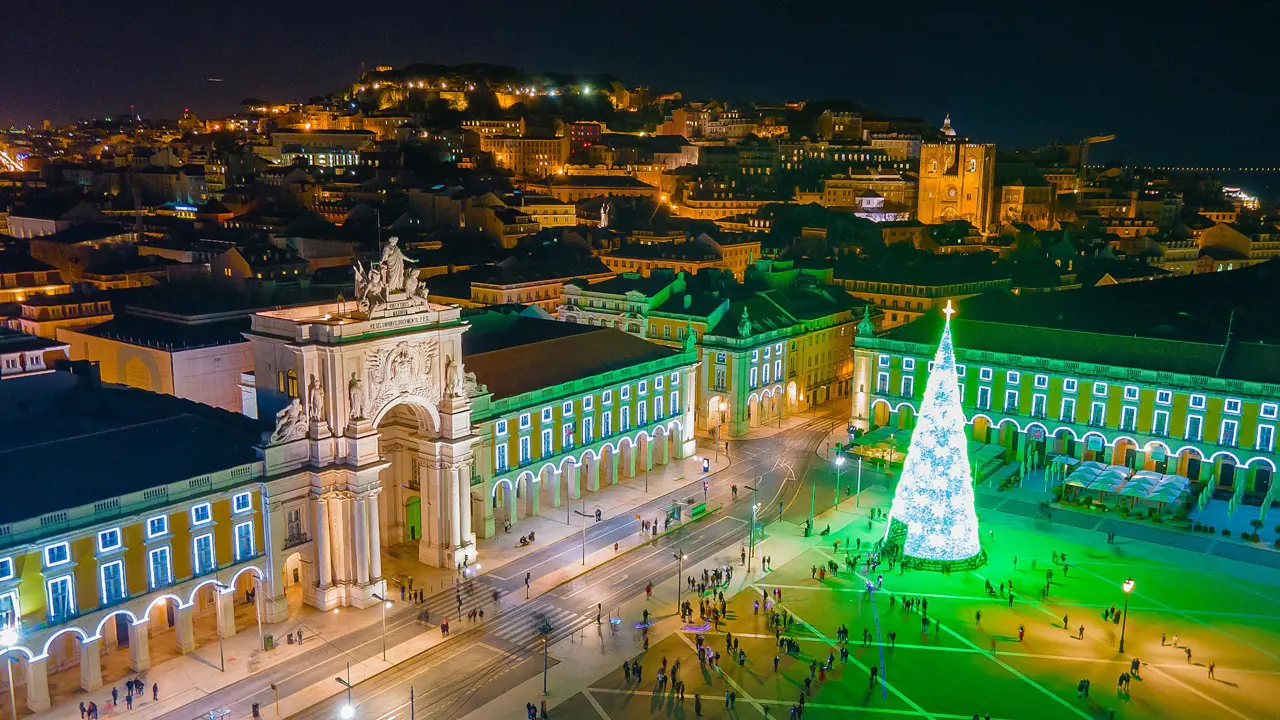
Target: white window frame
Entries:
(985, 374)
(566, 408)
(960, 371)
(235, 541)
(526, 421)
(588, 404)
(1268, 446)
(657, 384)
(1070, 385)
(673, 404)
(70, 581)
(607, 398)
(1268, 411)
(1231, 406)
(500, 461)
(526, 449)
(547, 443)
(1008, 394)
(755, 377)
(1196, 402)
(1041, 381)
(164, 526)
(66, 550)
(104, 534)
(102, 582)
(236, 500)
(588, 426)
(1158, 418)
(909, 364)
(6, 568)
(1131, 392)
(882, 381)
(1101, 389)
(1199, 419)
(1013, 377)
(1129, 418)
(624, 421)
(1065, 416)
(1234, 427)
(1043, 401)
(500, 428)
(625, 392)
(1093, 408)
(983, 389)
(675, 379)
(546, 415)
(168, 566)
(883, 361)
(1164, 397)
(195, 554)
(908, 386)
(208, 509)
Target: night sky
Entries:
(1178, 82)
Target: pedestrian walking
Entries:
(115, 696)
(1022, 632)
(84, 711)
(977, 617)
(1081, 632)
(1162, 639)
(128, 699)
(1065, 625)
(697, 706)
(1175, 639)
(1010, 601)
(626, 670)
(875, 675)
(155, 691)
(1188, 649)
(1212, 665)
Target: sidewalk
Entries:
(189, 678)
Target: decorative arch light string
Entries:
(934, 497)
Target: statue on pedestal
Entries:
(391, 278)
(355, 395)
(291, 424)
(315, 399)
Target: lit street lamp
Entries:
(385, 604)
(348, 711)
(584, 529)
(1128, 588)
(544, 628)
(857, 499)
(9, 638)
(839, 466)
(752, 552)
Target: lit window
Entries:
(1011, 401)
(1069, 385)
(1266, 438)
(1100, 389)
(109, 540)
(908, 386)
(244, 541)
(201, 514)
(6, 570)
(1130, 392)
(526, 421)
(566, 410)
(1068, 412)
(501, 428)
(1231, 406)
(1196, 402)
(908, 364)
(608, 397)
(62, 601)
(1164, 397)
(157, 526)
(1195, 427)
(755, 355)
(1013, 377)
(546, 414)
(111, 577)
(160, 565)
(625, 392)
(883, 360)
(778, 348)
(644, 387)
(202, 554)
(1268, 410)
(984, 397)
(960, 370)
(675, 379)
(1042, 381)
(242, 502)
(985, 374)
(59, 554)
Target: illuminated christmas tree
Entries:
(933, 516)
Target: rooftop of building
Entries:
(518, 354)
(14, 261)
(84, 232)
(628, 282)
(610, 181)
(168, 334)
(1177, 324)
(927, 270)
(87, 442)
(12, 341)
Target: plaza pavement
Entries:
(1226, 611)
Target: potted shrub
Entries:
(1257, 525)
(1226, 532)
(1157, 519)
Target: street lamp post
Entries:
(755, 508)
(680, 558)
(385, 604)
(9, 638)
(221, 589)
(584, 515)
(839, 466)
(1128, 588)
(544, 628)
(857, 499)
(348, 711)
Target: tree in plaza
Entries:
(933, 508)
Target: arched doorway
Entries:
(879, 413)
(981, 429)
(1156, 457)
(753, 410)
(1124, 452)
(1190, 462)
(1010, 435)
(793, 398)
(1226, 470)
(1263, 475)
(1037, 441)
(906, 417)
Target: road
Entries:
(484, 660)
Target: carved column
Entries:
(593, 474)
(375, 538)
(467, 503)
(455, 508)
(38, 684)
(575, 490)
(324, 562)
(361, 532)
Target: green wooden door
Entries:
(413, 518)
